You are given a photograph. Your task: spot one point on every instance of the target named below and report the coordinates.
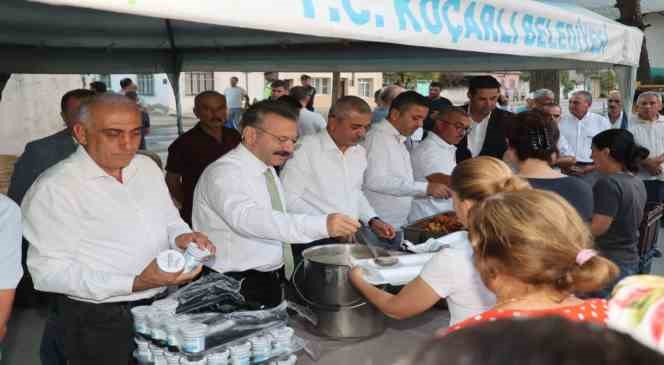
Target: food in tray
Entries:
(441, 224)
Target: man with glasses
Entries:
(566, 157)
(435, 158)
(239, 201)
(616, 113)
(579, 127)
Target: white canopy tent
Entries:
(171, 36)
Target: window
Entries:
(365, 88)
(197, 82)
(145, 84)
(322, 86)
(106, 79)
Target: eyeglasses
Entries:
(458, 126)
(281, 139)
(555, 116)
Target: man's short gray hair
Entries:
(390, 93)
(588, 96)
(348, 104)
(543, 93)
(84, 115)
(648, 94)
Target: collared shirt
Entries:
(309, 123)
(11, 270)
(191, 153)
(232, 206)
(90, 235)
(379, 114)
(433, 156)
(579, 133)
(389, 184)
(320, 179)
(618, 122)
(651, 136)
(477, 135)
(563, 147)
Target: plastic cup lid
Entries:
(196, 252)
(194, 330)
(170, 261)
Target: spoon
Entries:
(382, 260)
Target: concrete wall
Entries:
(30, 108)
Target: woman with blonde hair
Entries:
(450, 273)
(534, 252)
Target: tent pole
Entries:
(174, 75)
(4, 78)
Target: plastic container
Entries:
(241, 354)
(157, 328)
(281, 339)
(202, 361)
(167, 305)
(172, 358)
(261, 348)
(193, 337)
(170, 261)
(218, 358)
(173, 330)
(193, 257)
(140, 315)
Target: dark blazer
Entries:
(38, 156)
(495, 143)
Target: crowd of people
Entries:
(551, 204)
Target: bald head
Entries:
(390, 93)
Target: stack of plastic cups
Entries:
(218, 358)
(282, 338)
(140, 315)
(172, 358)
(260, 348)
(158, 330)
(143, 353)
(193, 337)
(157, 355)
(202, 361)
(173, 330)
(241, 354)
(170, 261)
(194, 257)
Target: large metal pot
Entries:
(321, 281)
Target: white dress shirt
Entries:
(477, 135)
(90, 235)
(651, 136)
(563, 147)
(11, 270)
(389, 184)
(232, 206)
(617, 123)
(234, 96)
(320, 179)
(309, 123)
(579, 133)
(432, 156)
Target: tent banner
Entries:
(525, 27)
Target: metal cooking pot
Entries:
(341, 311)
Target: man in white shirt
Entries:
(326, 172)
(435, 158)
(234, 97)
(248, 218)
(542, 98)
(95, 223)
(11, 270)
(565, 153)
(648, 130)
(579, 127)
(389, 184)
(308, 122)
(615, 113)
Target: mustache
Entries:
(283, 153)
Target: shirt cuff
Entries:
(174, 231)
(420, 188)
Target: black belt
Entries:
(127, 305)
(580, 163)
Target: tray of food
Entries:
(432, 227)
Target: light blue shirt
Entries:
(11, 270)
